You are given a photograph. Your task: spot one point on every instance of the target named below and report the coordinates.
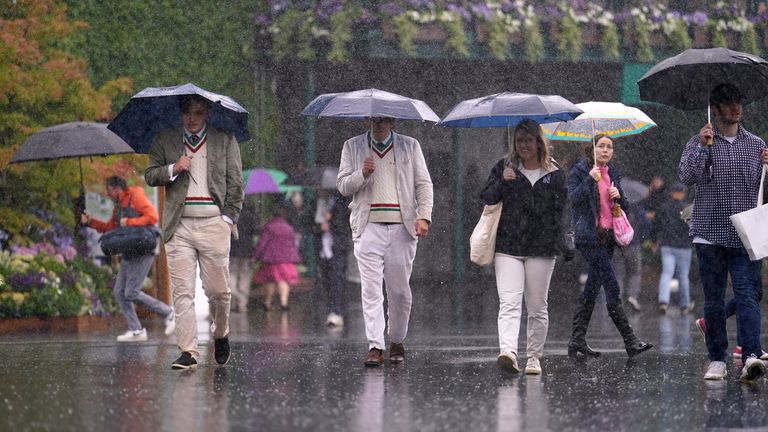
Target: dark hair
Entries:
(725, 93)
(186, 102)
(278, 209)
(589, 150)
(116, 181)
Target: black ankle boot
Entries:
(578, 342)
(633, 345)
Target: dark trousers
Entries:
(332, 276)
(600, 273)
(715, 262)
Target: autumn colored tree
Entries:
(43, 84)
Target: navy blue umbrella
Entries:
(508, 109)
(156, 108)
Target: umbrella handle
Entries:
(709, 121)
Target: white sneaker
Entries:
(508, 361)
(716, 371)
(133, 336)
(170, 323)
(635, 304)
(532, 366)
(334, 320)
(753, 369)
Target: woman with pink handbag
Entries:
(594, 189)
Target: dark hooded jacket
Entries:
(583, 195)
(531, 222)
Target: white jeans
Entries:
(385, 252)
(517, 277)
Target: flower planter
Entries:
(481, 34)
(656, 38)
(431, 32)
(590, 34)
(701, 38)
(44, 325)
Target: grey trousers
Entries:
(128, 291)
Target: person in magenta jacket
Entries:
(277, 252)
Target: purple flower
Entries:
(461, 11)
(262, 20)
(697, 18)
(28, 281)
(483, 11)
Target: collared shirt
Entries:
(726, 177)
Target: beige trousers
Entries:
(205, 241)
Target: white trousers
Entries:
(518, 277)
(204, 241)
(385, 252)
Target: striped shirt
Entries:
(726, 177)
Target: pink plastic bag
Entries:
(622, 230)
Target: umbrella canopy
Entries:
(685, 80)
(610, 118)
(156, 108)
(266, 180)
(67, 140)
(362, 104)
(508, 109)
(317, 177)
(634, 191)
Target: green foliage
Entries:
(534, 42)
(294, 36)
(405, 29)
(717, 36)
(498, 37)
(609, 42)
(748, 41)
(643, 51)
(42, 84)
(569, 39)
(679, 38)
(457, 40)
(340, 35)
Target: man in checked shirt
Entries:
(726, 174)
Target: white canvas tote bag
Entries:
(752, 226)
(482, 242)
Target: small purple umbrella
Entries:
(266, 180)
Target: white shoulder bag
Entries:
(482, 242)
(751, 226)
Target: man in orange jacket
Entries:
(132, 208)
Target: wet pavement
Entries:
(288, 372)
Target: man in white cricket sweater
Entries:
(200, 167)
(391, 189)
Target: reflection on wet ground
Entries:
(288, 372)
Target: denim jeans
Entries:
(677, 262)
(600, 273)
(128, 291)
(715, 262)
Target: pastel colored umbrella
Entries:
(266, 180)
(610, 118)
(508, 109)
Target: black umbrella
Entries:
(685, 80)
(156, 108)
(68, 140)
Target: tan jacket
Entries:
(225, 175)
(414, 185)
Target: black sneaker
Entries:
(221, 350)
(186, 361)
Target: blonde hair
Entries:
(542, 147)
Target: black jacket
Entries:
(531, 222)
(670, 229)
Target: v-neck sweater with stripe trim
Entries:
(385, 206)
(199, 202)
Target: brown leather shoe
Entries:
(375, 358)
(396, 352)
